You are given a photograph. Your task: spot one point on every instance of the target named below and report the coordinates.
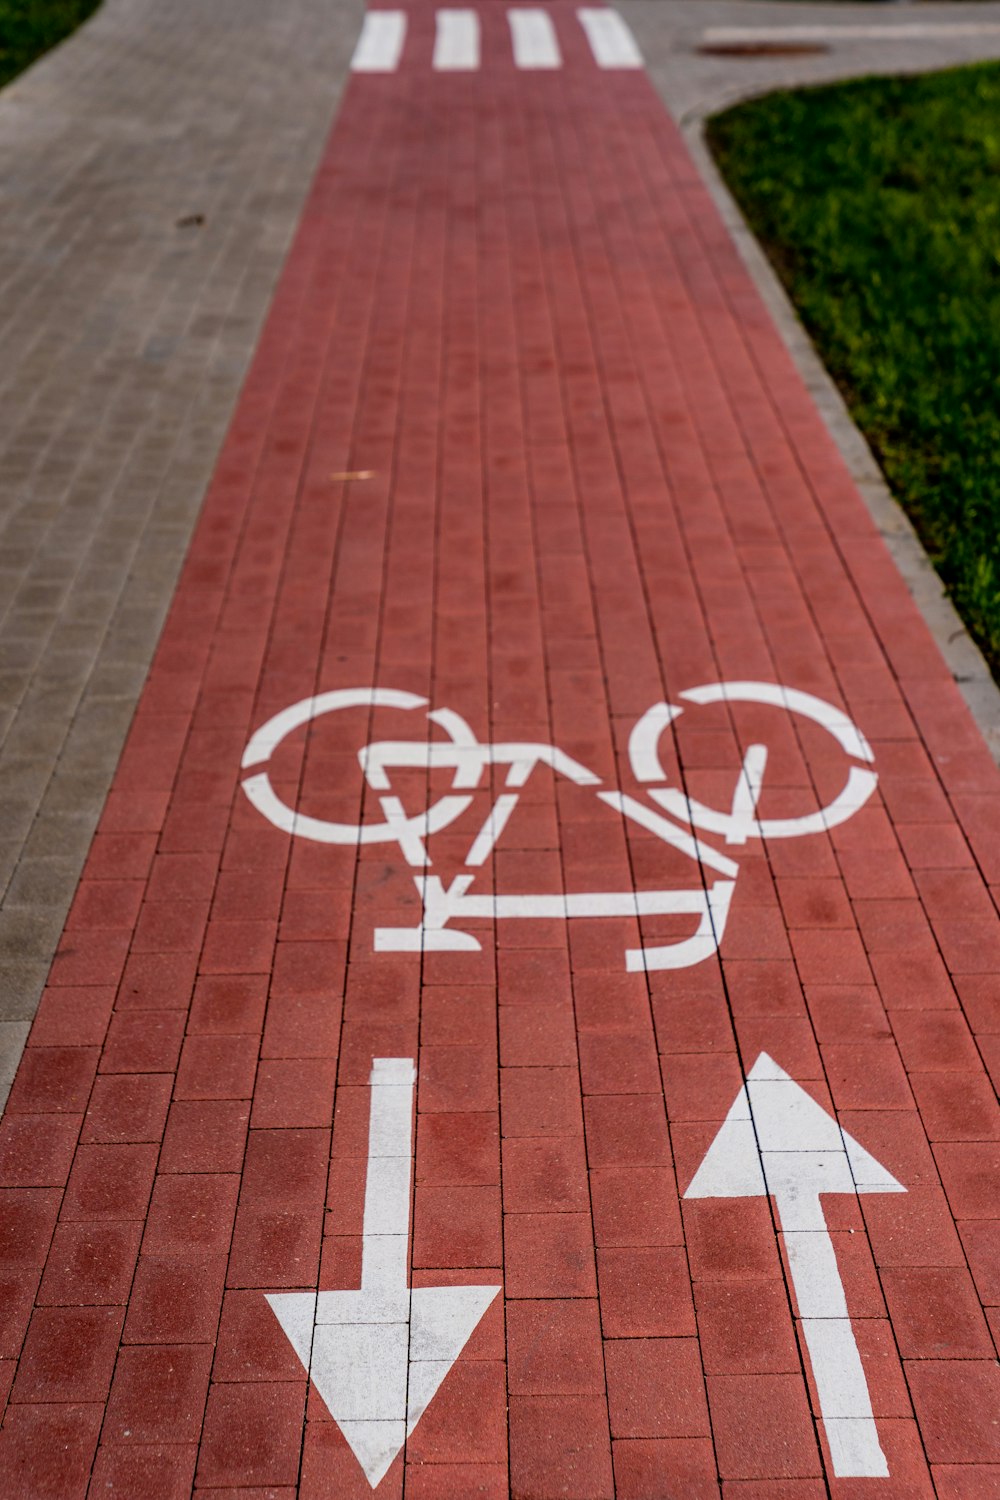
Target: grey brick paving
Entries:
(125, 333)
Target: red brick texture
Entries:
(588, 478)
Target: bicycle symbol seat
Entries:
(447, 908)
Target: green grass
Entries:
(879, 204)
(30, 27)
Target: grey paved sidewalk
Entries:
(694, 84)
(152, 170)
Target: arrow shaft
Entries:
(378, 1355)
(385, 1245)
(777, 1141)
(841, 1386)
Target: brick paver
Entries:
(519, 439)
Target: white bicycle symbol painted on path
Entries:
(447, 908)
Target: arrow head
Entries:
(731, 1167)
(776, 1136)
(378, 1359)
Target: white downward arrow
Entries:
(377, 1356)
(777, 1140)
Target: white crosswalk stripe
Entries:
(611, 41)
(456, 41)
(458, 48)
(380, 44)
(534, 39)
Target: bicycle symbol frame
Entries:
(446, 908)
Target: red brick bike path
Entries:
(591, 481)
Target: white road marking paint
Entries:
(265, 740)
(410, 840)
(380, 44)
(496, 821)
(456, 41)
(694, 848)
(611, 41)
(443, 905)
(736, 827)
(533, 38)
(777, 1140)
(746, 795)
(269, 736)
(739, 824)
(468, 760)
(377, 1356)
(644, 741)
(267, 802)
(645, 735)
(907, 31)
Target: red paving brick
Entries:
(519, 440)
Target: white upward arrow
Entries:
(377, 1356)
(777, 1140)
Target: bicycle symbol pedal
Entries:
(448, 909)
